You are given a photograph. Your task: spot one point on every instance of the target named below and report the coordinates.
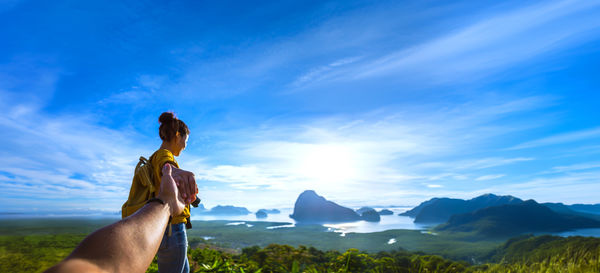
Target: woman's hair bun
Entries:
(166, 117)
(170, 126)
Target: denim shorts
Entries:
(172, 253)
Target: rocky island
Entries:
(312, 208)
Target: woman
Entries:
(172, 253)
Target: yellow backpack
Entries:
(142, 187)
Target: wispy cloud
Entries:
(66, 157)
(143, 94)
(472, 164)
(580, 187)
(560, 139)
(29, 80)
(489, 177)
(506, 39)
(577, 167)
(490, 162)
(323, 72)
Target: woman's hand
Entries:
(169, 192)
(186, 183)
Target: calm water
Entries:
(588, 232)
(387, 221)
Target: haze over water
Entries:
(387, 222)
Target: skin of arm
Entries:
(128, 245)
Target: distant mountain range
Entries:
(487, 215)
(573, 210)
(233, 211)
(593, 209)
(227, 210)
(439, 210)
(513, 219)
(493, 215)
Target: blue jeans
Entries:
(172, 253)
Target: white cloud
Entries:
(146, 92)
(470, 164)
(66, 157)
(366, 155)
(560, 139)
(129, 97)
(323, 72)
(490, 162)
(577, 167)
(482, 48)
(580, 187)
(489, 177)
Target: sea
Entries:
(387, 222)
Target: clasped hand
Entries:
(177, 188)
(186, 183)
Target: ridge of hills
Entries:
(566, 209)
(514, 219)
(439, 210)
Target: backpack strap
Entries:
(144, 170)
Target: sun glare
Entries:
(328, 163)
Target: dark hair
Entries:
(170, 126)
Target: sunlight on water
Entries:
(282, 226)
(280, 217)
(387, 221)
(235, 224)
(589, 232)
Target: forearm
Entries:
(125, 246)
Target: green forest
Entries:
(35, 253)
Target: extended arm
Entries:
(130, 244)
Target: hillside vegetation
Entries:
(35, 253)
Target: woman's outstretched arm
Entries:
(128, 245)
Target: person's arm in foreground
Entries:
(130, 244)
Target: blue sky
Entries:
(386, 103)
